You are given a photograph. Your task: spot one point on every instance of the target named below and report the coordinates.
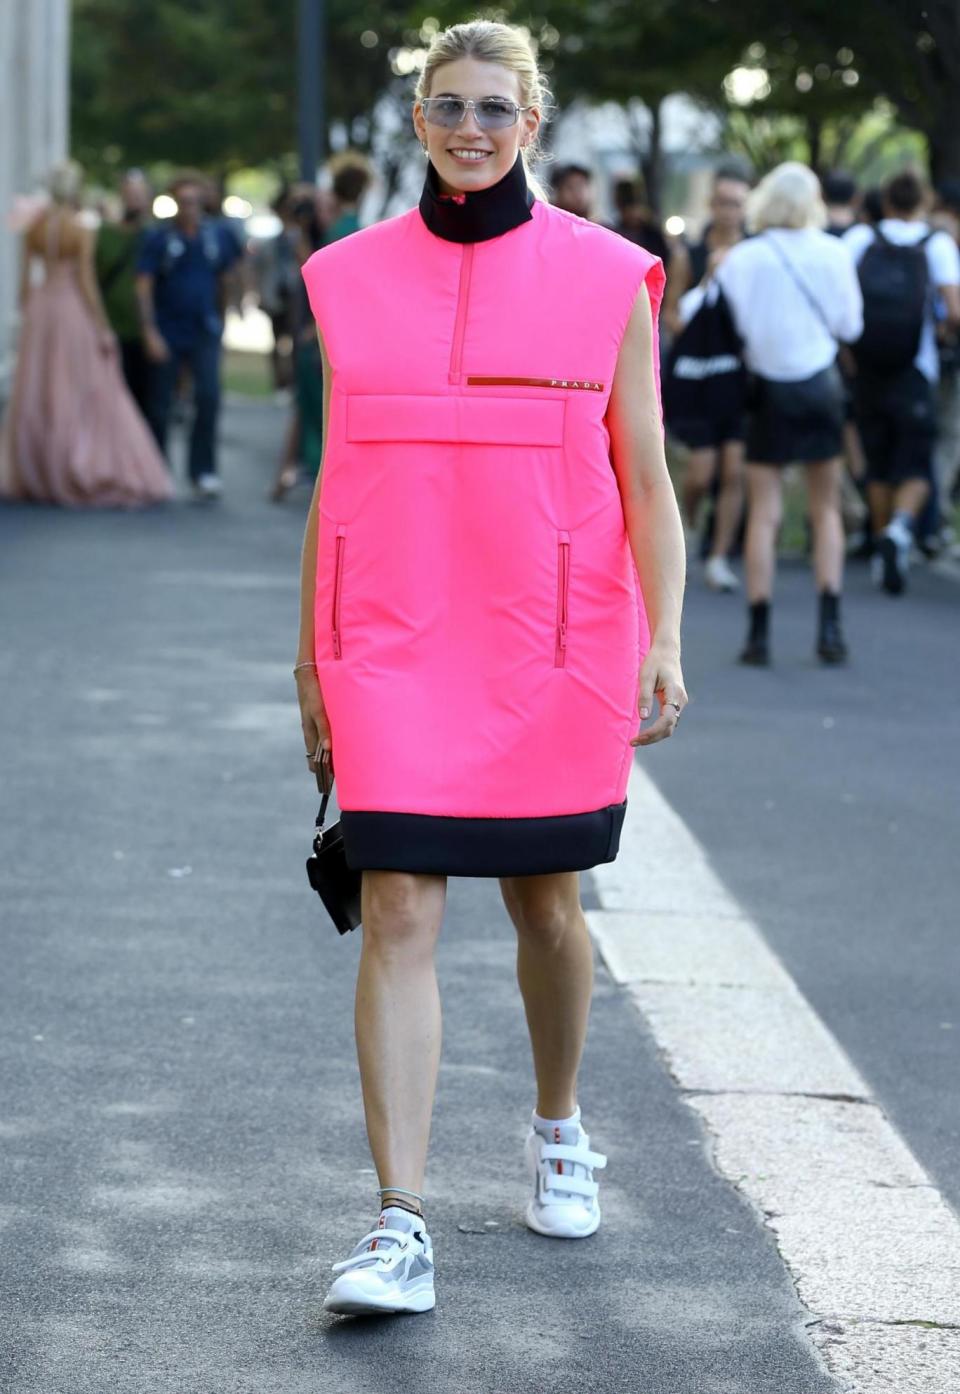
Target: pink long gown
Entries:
(72, 433)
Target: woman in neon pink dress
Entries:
(491, 589)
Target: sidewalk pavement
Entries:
(182, 1138)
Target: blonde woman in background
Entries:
(794, 295)
(72, 433)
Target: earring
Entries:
(423, 146)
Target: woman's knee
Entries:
(543, 915)
(402, 908)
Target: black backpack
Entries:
(703, 376)
(895, 281)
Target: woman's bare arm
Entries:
(26, 262)
(88, 279)
(651, 515)
(316, 728)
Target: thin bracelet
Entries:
(381, 1189)
(307, 663)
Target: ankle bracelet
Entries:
(399, 1190)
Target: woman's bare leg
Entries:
(555, 973)
(765, 509)
(697, 478)
(823, 500)
(729, 498)
(398, 1023)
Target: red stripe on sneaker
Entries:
(381, 1225)
(556, 1138)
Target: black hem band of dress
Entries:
(428, 843)
(481, 214)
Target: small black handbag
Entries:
(337, 884)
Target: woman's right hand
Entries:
(313, 716)
(155, 346)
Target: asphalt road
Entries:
(828, 801)
(181, 1134)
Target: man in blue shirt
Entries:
(180, 271)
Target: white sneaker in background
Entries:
(208, 486)
(894, 546)
(564, 1204)
(719, 576)
(389, 1270)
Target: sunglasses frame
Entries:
(469, 104)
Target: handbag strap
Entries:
(802, 286)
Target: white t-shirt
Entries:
(943, 260)
(784, 336)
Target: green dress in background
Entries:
(116, 259)
(308, 368)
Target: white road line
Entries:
(871, 1245)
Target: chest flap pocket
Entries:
(477, 421)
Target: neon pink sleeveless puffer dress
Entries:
(479, 620)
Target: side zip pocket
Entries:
(341, 543)
(563, 590)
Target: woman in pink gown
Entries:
(72, 434)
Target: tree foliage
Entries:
(213, 82)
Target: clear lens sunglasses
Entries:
(492, 113)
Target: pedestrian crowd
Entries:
(122, 327)
(810, 323)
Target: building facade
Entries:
(34, 128)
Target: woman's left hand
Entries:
(661, 676)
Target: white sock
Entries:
(547, 1125)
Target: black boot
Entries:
(756, 651)
(830, 643)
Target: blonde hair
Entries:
(507, 46)
(65, 181)
(789, 196)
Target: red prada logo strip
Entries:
(580, 384)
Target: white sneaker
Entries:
(208, 486)
(719, 576)
(389, 1270)
(564, 1204)
(892, 560)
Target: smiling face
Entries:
(467, 157)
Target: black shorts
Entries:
(897, 416)
(796, 422)
(708, 435)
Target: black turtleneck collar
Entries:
(480, 215)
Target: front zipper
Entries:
(563, 591)
(341, 543)
(460, 323)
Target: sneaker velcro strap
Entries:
(574, 1184)
(388, 1256)
(564, 1152)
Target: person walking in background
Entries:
(180, 271)
(322, 216)
(351, 178)
(635, 220)
(724, 229)
(840, 198)
(117, 248)
(276, 270)
(910, 278)
(714, 438)
(72, 434)
(492, 489)
(946, 459)
(572, 190)
(794, 295)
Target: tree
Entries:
(212, 83)
(904, 51)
